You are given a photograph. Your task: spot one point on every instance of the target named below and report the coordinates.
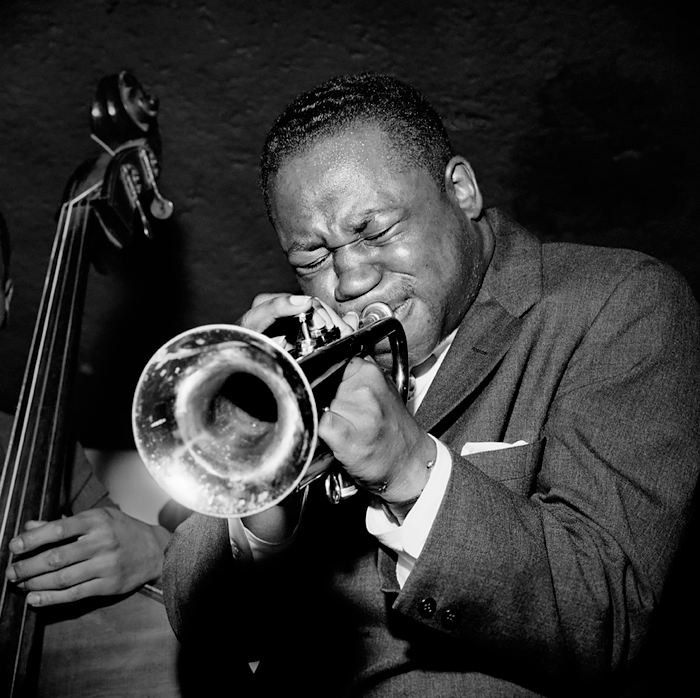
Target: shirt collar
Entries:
(423, 374)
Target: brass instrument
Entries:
(226, 420)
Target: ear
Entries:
(461, 186)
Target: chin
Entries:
(420, 347)
(419, 326)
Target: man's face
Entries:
(358, 227)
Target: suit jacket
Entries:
(546, 562)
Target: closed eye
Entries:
(380, 235)
(310, 266)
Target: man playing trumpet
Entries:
(518, 518)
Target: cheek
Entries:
(422, 329)
(403, 257)
(320, 286)
(435, 276)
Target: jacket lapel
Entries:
(513, 283)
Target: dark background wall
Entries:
(578, 117)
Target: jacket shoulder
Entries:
(588, 276)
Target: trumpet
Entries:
(226, 421)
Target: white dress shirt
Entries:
(408, 538)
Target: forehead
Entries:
(359, 148)
(340, 174)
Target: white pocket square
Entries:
(481, 446)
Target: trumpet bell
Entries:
(225, 420)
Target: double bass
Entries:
(117, 196)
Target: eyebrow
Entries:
(358, 224)
(363, 219)
(303, 247)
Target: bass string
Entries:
(71, 230)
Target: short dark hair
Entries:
(413, 127)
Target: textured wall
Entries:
(577, 116)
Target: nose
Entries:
(355, 272)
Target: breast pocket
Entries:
(516, 467)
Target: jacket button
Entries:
(427, 607)
(450, 619)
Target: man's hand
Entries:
(268, 308)
(375, 438)
(99, 552)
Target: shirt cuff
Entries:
(408, 538)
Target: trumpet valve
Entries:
(310, 338)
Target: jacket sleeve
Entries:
(85, 491)
(214, 597)
(198, 576)
(562, 582)
(211, 606)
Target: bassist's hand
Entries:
(99, 552)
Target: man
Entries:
(99, 551)
(519, 516)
